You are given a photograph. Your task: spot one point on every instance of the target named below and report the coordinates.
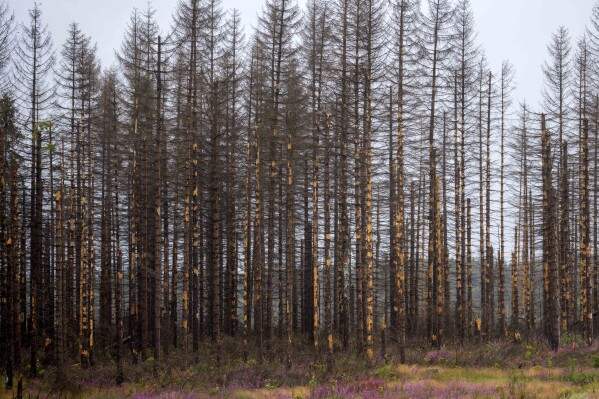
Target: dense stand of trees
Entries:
(351, 176)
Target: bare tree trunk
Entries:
(459, 304)
(327, 244)
(399, 252)
(469, 264)
(549, 243)
(157, 294)
(59, 276)
(83, 278)
(120, 376)
(290, 250)
(247, 261)
(258, 252)
(343, 233)
(586, 294)
(489, 249)
(564, 244)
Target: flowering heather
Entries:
(450, 390)
(370, 388)
(375, 388)
(167, 395)
(436, 356)
(246, 378)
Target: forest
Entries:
(342, 201)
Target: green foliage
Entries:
(517, 378)
(529, 352)
(40, 369)
(580, 378)
(44, 125)
(595, 359)
(386, 372)
(9, 119)
(569, 339)
(516, 385)
(572, 364)
(321, 367)
(271, 384)
(50, 148)
(8, 111)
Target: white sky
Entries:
(516, 30)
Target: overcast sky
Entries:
(516, 30)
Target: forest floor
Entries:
(479, 370)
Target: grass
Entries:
(489, 370)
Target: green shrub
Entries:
(386, 372)
(580, 378)
(572, 364)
